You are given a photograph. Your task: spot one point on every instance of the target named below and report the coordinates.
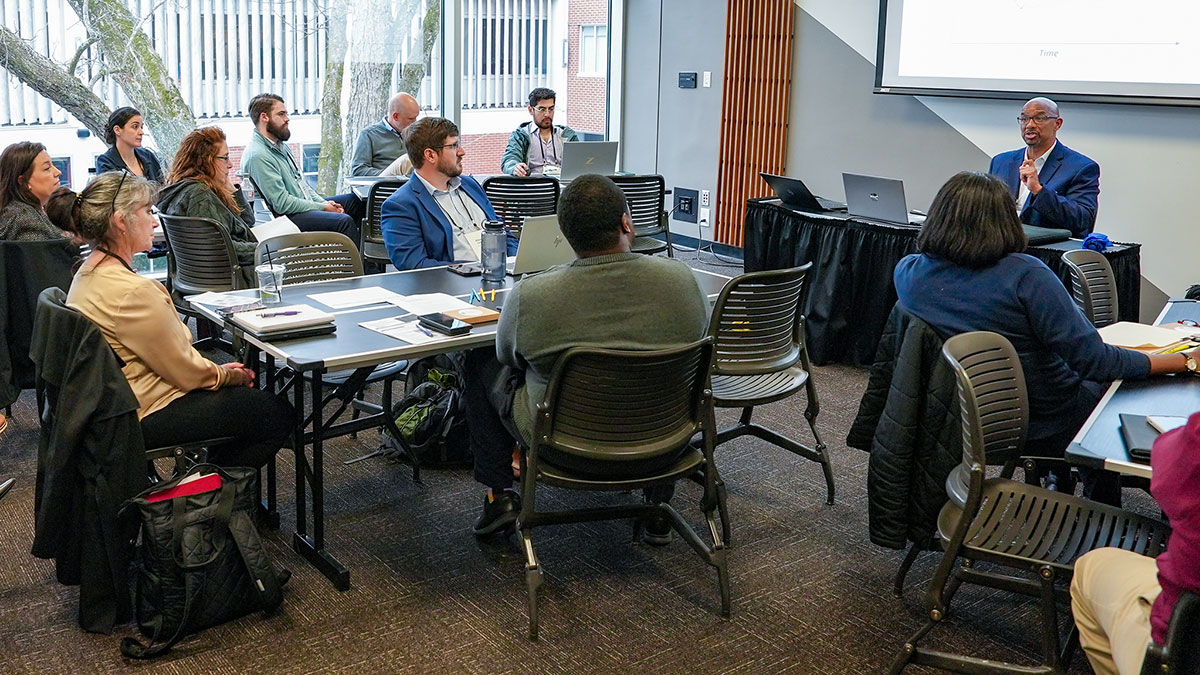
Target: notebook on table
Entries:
(285, 321)
(1141, 431)
(1039, 236)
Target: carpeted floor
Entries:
(810, 593)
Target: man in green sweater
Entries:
(603, 299)
(535, 145)
(277, 178)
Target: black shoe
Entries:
(657, 530)
(499, 512)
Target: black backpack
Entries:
(432, 416)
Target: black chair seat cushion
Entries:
(648, 244)
(731, 391)
(569, 470)
(1024, 524)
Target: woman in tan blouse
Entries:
(182, 396)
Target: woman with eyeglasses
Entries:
(971, 274)
(123, 134)
(199, 185)
(27, 179)
(182, 396)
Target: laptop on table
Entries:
(879, 199)
(542, 246)
(583, 157)
(794, 194)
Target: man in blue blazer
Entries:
(432, 219)
(1054, 186)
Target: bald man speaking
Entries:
(1054, 186)
(379, 148)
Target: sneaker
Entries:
(499, 512)
(657, 530)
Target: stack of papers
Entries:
(282, 318)
(395, 327)
(1140, 336)
(429, 303)
(356, 297)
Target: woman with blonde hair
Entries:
(181, 395)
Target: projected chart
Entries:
(1156, 41)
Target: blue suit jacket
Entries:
(415, 230)
(1070, 187)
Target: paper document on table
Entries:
(274, 228)
(219, 299)
(394, 327)
(356, 297)
(429, 303)
(1139, 336)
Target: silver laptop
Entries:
(542, 246)
(583, 157)
(878, 198)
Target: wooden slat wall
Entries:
(754, 107)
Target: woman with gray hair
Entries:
(182, 396)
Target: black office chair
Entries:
(515, 199)
(201, 259)
(616, 420)
(1025, 528)
(647, 196)
(1179, 654)
(372, 246)
(1093, 285)
(761, 358)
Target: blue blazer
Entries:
(1070, 188)
(415, 230)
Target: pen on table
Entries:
(424, 330)
(290, 312)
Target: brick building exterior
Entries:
(588, 95)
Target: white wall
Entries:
(1148, 154)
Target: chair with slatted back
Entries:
(647, 197)
(200, 259)
(515, 199)
(320, 256)
(1093, 285)
(372, 246)
(761, 358)
(614, 421)
(1034, 532)
(259, 195)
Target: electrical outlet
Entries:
(707, 78)
(686, 202)
(705, 217)
(704, 197)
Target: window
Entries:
(308, 163)
(63, 164)
(593, 51)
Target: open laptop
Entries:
(542, 246)
(877, 198)
(794, 194)
(583, 157)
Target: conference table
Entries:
(353, 347)
(850, 290)
(1099, 443)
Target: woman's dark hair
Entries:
(16, 166)
(118, 118)
(589, 213)
(972, 222)
(89, 213)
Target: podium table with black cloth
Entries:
(850, 290)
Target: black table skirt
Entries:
(850, 290)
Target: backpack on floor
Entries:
(201, 562)
(432, 417)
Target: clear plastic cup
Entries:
(270, 283)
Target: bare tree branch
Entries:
(50, 80)
(73, 64)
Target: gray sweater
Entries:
(24, 222)
(619, 301)
(377, 147)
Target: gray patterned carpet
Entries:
(810, 593)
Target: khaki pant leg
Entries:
(1111, 595)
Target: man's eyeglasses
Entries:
(223, 158)
(113, 206)
(543, 109)
(1040, 119)
(448, 145)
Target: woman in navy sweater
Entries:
(971, 274)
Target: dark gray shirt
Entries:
(377, 146)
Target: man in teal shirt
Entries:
(270, 164)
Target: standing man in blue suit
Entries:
(436, 217)
(1054, 186)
